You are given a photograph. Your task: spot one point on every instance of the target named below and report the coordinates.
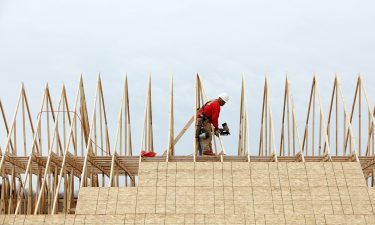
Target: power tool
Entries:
(225, 130)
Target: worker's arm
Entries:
(215, 115)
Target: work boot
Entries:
(209, 153)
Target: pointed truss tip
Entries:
(147, 142)
(123, 143)
(323, 136)
(267, 146)
(243, 136)
(356, 148)
(93, 141)
(170, 149)
(291, 137)
(55, 140)
(123, 133)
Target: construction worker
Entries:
(208, 117)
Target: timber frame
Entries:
(44, 162)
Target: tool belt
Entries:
(201, 120)
(200, 129)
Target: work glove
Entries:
(217, 132)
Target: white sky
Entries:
(54, 41)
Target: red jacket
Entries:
(212, 112)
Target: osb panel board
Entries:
(237, 188)
(176, 219)
(227, 193)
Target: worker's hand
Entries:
(217, 132)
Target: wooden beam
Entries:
(170, 149)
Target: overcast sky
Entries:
(54, 41)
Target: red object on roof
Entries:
(148, 154)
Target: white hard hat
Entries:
(224, 96)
